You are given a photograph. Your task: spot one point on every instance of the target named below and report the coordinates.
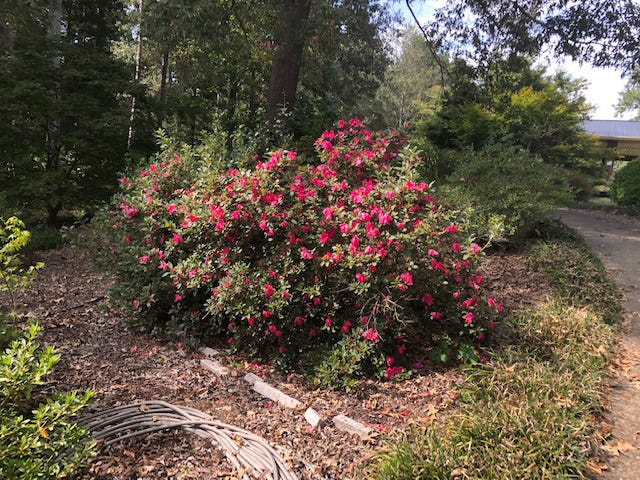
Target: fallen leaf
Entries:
(619, 448)
(596, 469)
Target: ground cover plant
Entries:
(349, 255)
(38, 439)
(535, 401)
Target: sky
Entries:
(605, 84)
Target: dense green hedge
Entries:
(505, 185)
(625, 189)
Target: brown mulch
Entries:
(69, 299)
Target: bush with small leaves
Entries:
(38, 439)
(625, 188)
(287, 257)
(506, 184)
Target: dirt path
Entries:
(616, 239)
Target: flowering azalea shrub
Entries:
(288, 257)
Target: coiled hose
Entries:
(243, 449)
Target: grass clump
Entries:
(577, 275)
(529, 412)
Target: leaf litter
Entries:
(69, 299)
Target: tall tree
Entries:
(604, 32)
(522, 106)
(291, 37)
(629, 99)
(64, 133)
(412, 85)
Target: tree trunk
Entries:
(162, 89)
(164, 68)
(55, 28)
(52, 133)
(287, 58)
(136, 79)
(6, 37)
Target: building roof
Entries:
(613, 129)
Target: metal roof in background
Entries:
(613, 129)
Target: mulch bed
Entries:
(69, 299)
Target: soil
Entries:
(616, 239)
(69, 299)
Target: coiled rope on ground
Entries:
(243, 449)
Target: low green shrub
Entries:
(507, 184)
(288, 256)
(625, 188)
(38, 439)
(580, 185)
(13, 273)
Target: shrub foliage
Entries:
(506, 184)
(289, 256)
(38, 439)
(625, 189)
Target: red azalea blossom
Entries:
(370, 334)
(407, 278)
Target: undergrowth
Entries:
(529, 412)
(577, 275)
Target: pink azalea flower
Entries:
(355, 243)
(306, 254)
(451, 229)
(468, 318)
(456, 247)
(370, 334)
(361, 278)
(407, 278)
(176, 238)
(325, 237)
(268, 291)
(427, 299)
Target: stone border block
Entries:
(215, 367)
(208, 352)
(349, 425)
(276, 395)
(312, 417)
(252, 378)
